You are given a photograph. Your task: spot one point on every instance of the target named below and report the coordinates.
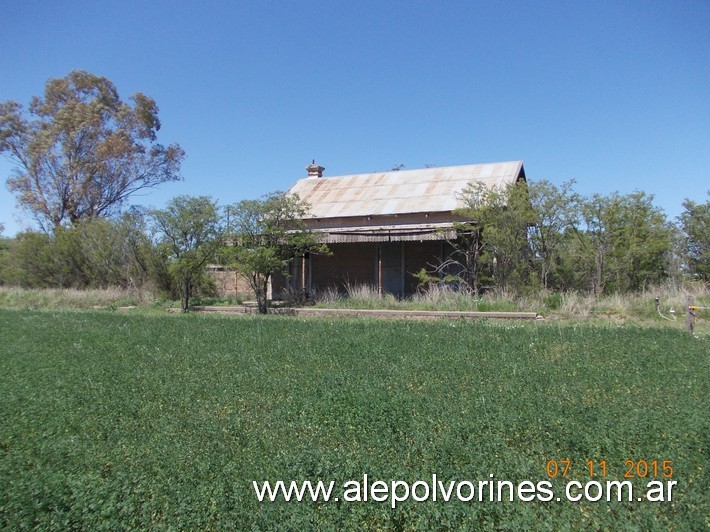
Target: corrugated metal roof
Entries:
(399, 192)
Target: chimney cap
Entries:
(314, 170)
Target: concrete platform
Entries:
(399, 314)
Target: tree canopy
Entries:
(535, 235)
(491, 246)
(695, 225)
(189, 231)
(80, 151)
(265, 234)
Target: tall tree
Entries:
(627, 240)
(265, 234)
(642, 244)
(492, 245)
(555, 210)
(695, 224)
(189, 231)
(510, 217)
(80, 151)
(464, 264)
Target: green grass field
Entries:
(112, 420)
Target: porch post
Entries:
(379, 269)
(402, 271)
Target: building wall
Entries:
(358, 263)
(418, 255)
(228, 283)
(349, 264)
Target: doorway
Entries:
(392, 264)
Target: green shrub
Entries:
(553, 301)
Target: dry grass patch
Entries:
(58, 298)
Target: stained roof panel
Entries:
(400, 192)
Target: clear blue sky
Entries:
(614, 94)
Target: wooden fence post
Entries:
(689, 314)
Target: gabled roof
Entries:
(426, 190)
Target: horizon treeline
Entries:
(521, 239)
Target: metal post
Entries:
(379, 269)
(402, 265)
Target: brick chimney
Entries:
(315, 170)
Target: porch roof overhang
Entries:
(388, 233)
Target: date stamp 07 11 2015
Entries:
(631, 469)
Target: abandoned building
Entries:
(383, 227)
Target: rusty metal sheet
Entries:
(401, 192)
(388, 233)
